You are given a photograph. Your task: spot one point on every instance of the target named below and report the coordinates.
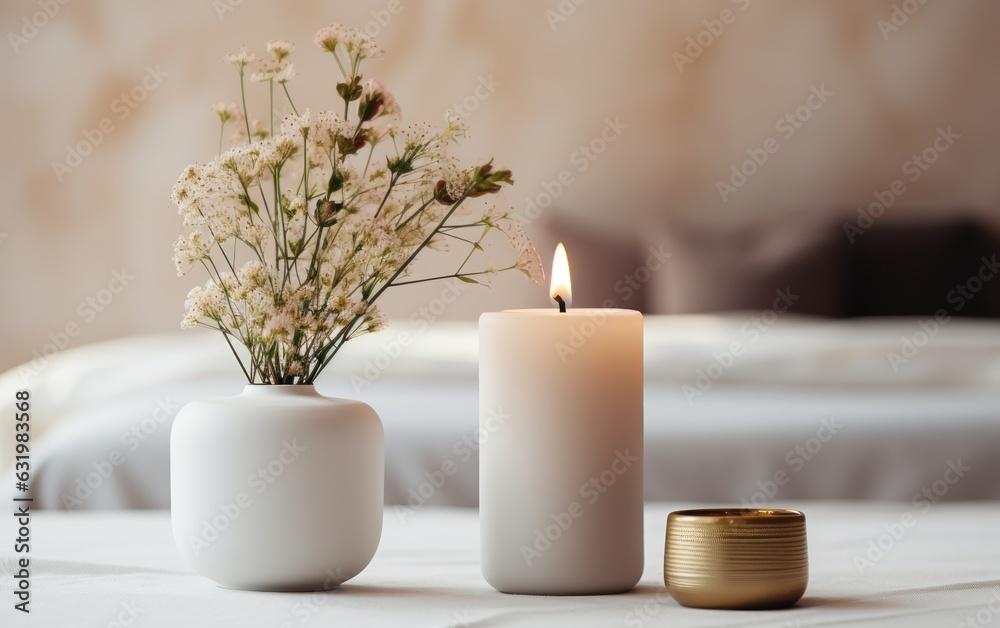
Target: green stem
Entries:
(225, 334)
(392, 182)
(477, 245)
(246, 116)
(453, 275)
(420, 247)
(289, 97)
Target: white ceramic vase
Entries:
(278, 488)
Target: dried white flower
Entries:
(190, 250)
(528, 260)
(240, 58)
(279, 49)
(226, 111)
(297, 124)
(285, 74)
(325, 214)
(354, 41)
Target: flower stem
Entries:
(289, 97)
(243, 98)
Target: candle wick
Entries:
(561, 302)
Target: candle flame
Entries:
(561, 285)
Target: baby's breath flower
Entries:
(263, 75)
(325, 214)
(258, 130)
(297, 124)
(454, 128)
(528, 260)
(497, 215)
(253, 232)
(285, 74)
(452, 180)
(206, 302)
(279, 49)
(243, 162)
(226, 111)
(190, 250)
(328, 37)
(354, 41)
(272, 70)
(374, 321)
(280, 326)
(241, 58)
(414, 135)
(357, 43)
(329, 129)
(275, 151)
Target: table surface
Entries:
(121, 568)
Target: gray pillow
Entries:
(797, 261)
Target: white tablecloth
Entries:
(109, 568)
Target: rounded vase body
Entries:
(278, 488)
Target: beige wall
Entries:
(64, 240)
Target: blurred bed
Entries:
(811, 408)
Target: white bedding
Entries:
(893, 433)
(94, 569)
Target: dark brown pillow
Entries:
(915, 263)
(729, 267)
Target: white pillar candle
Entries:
(560, 479)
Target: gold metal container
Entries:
(736, 558)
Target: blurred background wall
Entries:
(612, 115)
